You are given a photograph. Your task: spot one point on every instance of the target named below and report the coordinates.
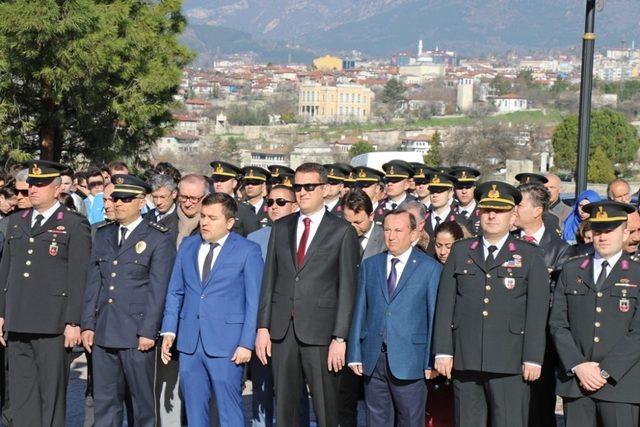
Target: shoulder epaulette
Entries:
(635, 258)
(73, 211)
(577, 257)
(520, 240)
(158, 227)
(104, 224)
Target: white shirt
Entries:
(366, 236)
(204, 250)
(46, 214)
(160, 216)
(597, 264)
(443, 217)
(257, 206)
(332, 204)
(537, 235)
(404, 258)
(129, 228)
(313, 227)
(469, 209)
(390, 202)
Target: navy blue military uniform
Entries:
(124, 300)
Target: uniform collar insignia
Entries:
(624, 264)
(60, 216)
(475, 245)
(512, 247)
(585, 263)
(26, 213)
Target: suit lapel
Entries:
(616, 273)
(586, 274)
(323, 230)
(476, 253)
(292, 226)
(45, 225)
(505, 252)
(134, 237)
(382, 274)
(25, 221)
(408, 271)
(222, 257)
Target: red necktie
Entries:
(302, 246)
(529, 239)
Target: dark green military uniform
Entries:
(337, 173)
(467, 178)
(491, 317)
(257, 175)
(395, 170)
(598, 320)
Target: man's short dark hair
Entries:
(357, 201)
(67, 172)
(538, 194)
(314, 167)
(166, 168)
(413, 224)
(229, 205)
(289, 190)
(117, 165)
(93, 173)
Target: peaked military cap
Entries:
(466, 176)
(531, 178)
(607, 214)
(255, 173)
(43, 171)
(337, 172)
(497, 195)
(366, 176)
(285, 178)
(440, 178)
(277, 173)
(350, 180)
(421, 172)
(129, 186)
(224, 169)
(398, 169)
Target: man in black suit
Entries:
(308, 292)
(254, 182)
(358, 211)
(164, 191)
(491, 315)
(528, 219)
(42, 275)
(551, 221)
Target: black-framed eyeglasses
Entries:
(192, 199)
(279, 201)
(307, 187)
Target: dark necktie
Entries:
(491, 259)
(38, 223)
(208, 261)
(602, 277)
(438, 221)
(123, 236)
(302, 246)
(393, 277)
(465, 214)
(394, 206)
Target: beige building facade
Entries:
(340, 103)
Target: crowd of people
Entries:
(436, 297)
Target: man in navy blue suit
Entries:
(390, 336)
(212, 307)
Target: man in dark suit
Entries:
(358, 211)
(42, 272)
(164, 192)
(225, 180)
(491, 315)
(254, 183)
(123, 303)
(390, 336)
(594, 324)
(307, 297)
(336, 174)
(467, 213)
(528, 219)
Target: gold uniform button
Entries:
(486, 300)
(26, 274)
(28, 263)
(485, 313)
(599, 294)
(113, 274)
(596, 339)
(109, 300)
(598, 309)
(115, 262)
(31, 240)
(111, 288)
(597, 324)
(30, 251)
(488, 276)
(488, 287)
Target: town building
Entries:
(339, 103)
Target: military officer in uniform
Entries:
(468, 214)
(254, 180)
(441, 188)
(371, 182)
(225, 180)
(421, 179)
(397, 176)
(126, 287)
(349, 182)
(491, 315)
(594, 324)
(42, 276)
(336, 174)
(278, 173)
(551, 221)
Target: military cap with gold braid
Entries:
(365, 176)
(43, 171)
(397, 170)
(255, 173)
(224, 170)
(350, 180)
(441, 179)
(531, 178)
(497, 195)
(466, 177)
(607, 214)
(129, 186)
(421, 173)
(337, 172)
(278, 172)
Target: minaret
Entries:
(419, 48)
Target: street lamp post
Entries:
(586, 83)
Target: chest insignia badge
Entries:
(141, 246)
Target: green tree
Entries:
(89, 77)
(393, 92)
(360, 147)
(433, 157)
(600, 167)
(610, 131)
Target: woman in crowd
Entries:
(575, 218)
(8, 200)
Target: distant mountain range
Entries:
(381, 27)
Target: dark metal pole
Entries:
(586, 83)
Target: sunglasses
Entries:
(307, 187)
(279, 201)
(23, 193)
(253, 182)
(117, 199)
(95, 184)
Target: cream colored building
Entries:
(328, 63)
(340, 103)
